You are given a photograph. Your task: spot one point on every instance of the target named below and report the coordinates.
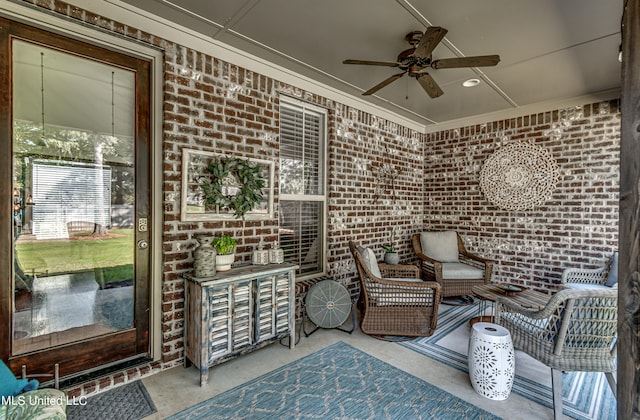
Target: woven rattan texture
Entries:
(396, 307)
(574, 332)
(432, 270)
(596, 276)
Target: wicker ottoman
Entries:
(491, 360)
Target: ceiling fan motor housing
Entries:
(414, 37)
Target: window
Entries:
(302, 185)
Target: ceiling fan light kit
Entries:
(414, 60)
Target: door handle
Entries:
(142, 244)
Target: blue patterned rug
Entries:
(339, 381)
(586, 395)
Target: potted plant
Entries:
(390, 254)
(225, 251)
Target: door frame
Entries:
(31, 17)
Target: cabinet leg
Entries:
(204, 376)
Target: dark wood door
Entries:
(74, 188)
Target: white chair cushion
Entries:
(587, 286)
(612, 277)
(456, 270)
(441, 246)
(370, 261)
(403, 279)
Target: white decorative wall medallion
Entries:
(519, 176)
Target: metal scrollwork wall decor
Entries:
(519, 176)
(386, 175)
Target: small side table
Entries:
(491, 360)
(528, 298)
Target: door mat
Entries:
(127, 402)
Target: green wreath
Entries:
(248, 174)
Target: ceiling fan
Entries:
(418, 57)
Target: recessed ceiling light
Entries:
(471, 83)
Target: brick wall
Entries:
(375, 186)
(214, 106)
(381, 177)
(576, 227)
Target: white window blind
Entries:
(69, 192)
(302, 186)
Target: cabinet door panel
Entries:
(265, 310)
(242, 316)
(282, 303)
(219, 321)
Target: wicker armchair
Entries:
(575, 331)
(396, 302)
(583, 278)
(456, 274)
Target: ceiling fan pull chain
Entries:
(406, 96)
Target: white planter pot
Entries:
(391, 257)
(223, 262)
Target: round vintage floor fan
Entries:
(328, 305)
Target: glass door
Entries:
(79, 193)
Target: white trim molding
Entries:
(523, 111)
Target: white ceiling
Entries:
(552, 51)
(63, 90)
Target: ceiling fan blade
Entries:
(477, 61)
(371, 63)
(429, 85)
(432, 37)
(384, 83)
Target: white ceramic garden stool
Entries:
(491, 360)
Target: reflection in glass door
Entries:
(73, 197)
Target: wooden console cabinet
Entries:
(237, 311)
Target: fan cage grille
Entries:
(328, 304)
